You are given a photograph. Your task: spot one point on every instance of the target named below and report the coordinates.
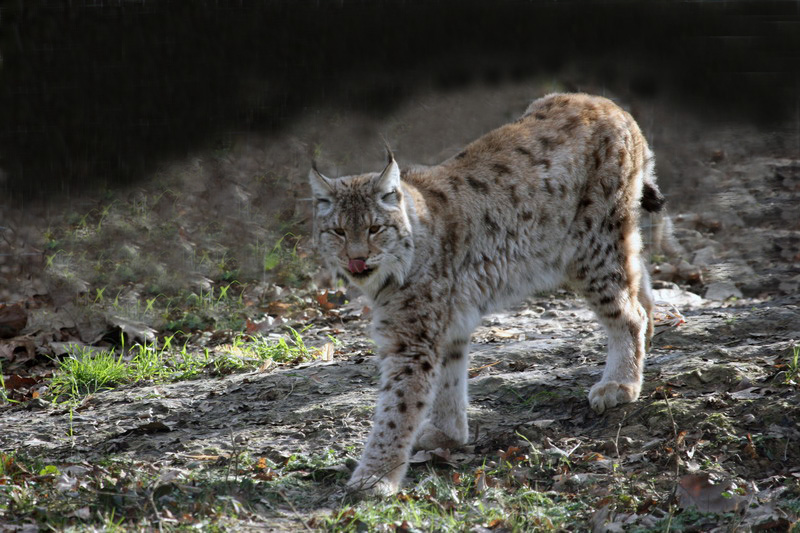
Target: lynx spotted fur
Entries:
(552, 198)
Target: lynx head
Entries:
(361, 227)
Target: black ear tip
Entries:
(314, 165)
(389, 153)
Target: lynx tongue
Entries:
(357, 266)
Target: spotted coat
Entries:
(550, 199)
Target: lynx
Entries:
(550, 199)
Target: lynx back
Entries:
(553, 198)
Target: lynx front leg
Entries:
(446, 426)
(407, 382)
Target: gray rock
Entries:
(790, 286)
(706, 255)
(677, 297)
(722, 290)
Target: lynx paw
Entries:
(431, 437)
(371, 485)
(607, 394)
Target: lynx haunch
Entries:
(550, 199)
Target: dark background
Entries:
(95, 94)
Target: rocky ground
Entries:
(713, 444)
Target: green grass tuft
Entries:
(4, 397)
(86, 371)
(793, 367)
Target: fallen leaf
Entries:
(402, 527)
(750, 393)
(646, 505)
(662, 391)
(510, 454)
(134, 329)
(84, 513)
(278, 308)
(423, 456)
(696, 490)
(50, 470)
(604, 521)
(326, 352)
(66, 483)
(777, 524)
(346, 517)
(17, 350)
(170, 475)
(75, 470)
(47, 320)
(267, 474)
(322, 300)
(475, 371)
(13, 319)
(480, 481)
(593, 456)
(252, 328)
(750, 448)
(507, 333)
(266, 365)
(14, 382)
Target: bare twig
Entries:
(619, 430)
(478, 369)
(155, 509)
(677, 462)
(294, 510)
(674, 434)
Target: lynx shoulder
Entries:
(553, 198)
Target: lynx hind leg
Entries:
(610, 284)
(647, 300)
(625, 322)
(446, 424)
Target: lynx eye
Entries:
(374, 229)
(338, 231)
(390, 197)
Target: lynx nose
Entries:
(357, 265)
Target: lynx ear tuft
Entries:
(389, 180)
(321, 187)
(389, 153)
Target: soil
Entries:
(718, 388)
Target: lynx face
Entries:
(362, 227)
(553, 198)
